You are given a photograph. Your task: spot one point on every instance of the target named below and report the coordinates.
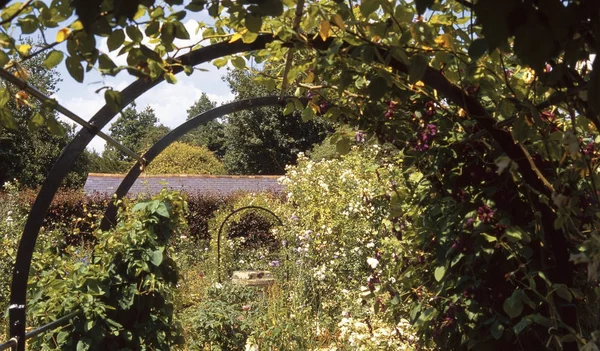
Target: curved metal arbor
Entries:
(135, 171)
(251, 207)
(66, 161)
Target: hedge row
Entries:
(77, 215)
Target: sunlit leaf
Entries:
(7, 120)
(36, 122)
(53, 58)
(324, 29)
(439, 273)
(238, 62)
(62, 35)
(113, 99)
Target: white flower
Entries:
(218, 285)
(371, 244)
(373, 262)
(502, 163)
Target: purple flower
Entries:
(485, 214)
(274, 263)
(469, 224)
(359, 137)
(294, 217)
(432, 129)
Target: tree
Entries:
(28, 155)
(181, 158)
(210, 134)
(132, 129)
(136, 130)
(264, 141)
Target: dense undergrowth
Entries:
(359, 262)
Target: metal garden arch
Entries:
(65, 162)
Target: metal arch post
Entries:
(223, 225)
(66, 161)
(110, 214)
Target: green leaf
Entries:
(367, 7)
(289, 108)
(377, 88)
(423, 5)
(439, 273)
(417, 69)
(477, 48)
(28, 24)
(53, 58)
(156, 257)
(36, 122)
(167, 32)
(4, 58)
(180, 31)
(4, 96)
(152, 28)
(522, 325)
(513, 305)
(170, 78)
(151, 54)
(497, 330)
(516, 234)
(82, 346)
(7, 120)
(113, 99)
(140, 206)
(106, 65)
(343, 146)
(89, 324)
(563, 291)
(55, 127)
(162, 210)
(75, 68)
(494, 17)
(62, 336)
(238, 62)
(489, 238)
(134, 33)
(220, 62)
(253, 23)
(115, 40)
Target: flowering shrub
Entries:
(338, 227)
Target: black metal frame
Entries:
(17, 308)
(64, 320)
(250, 207)
(110, 214)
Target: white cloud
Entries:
(169, 101)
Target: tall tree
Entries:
(137, 130)
(28, 152)
(263, 140)
(211, 134)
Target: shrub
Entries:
(180, 158)
(225, 318)
(127, 290)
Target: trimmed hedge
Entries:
(78, 215)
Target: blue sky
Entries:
(169, 101)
